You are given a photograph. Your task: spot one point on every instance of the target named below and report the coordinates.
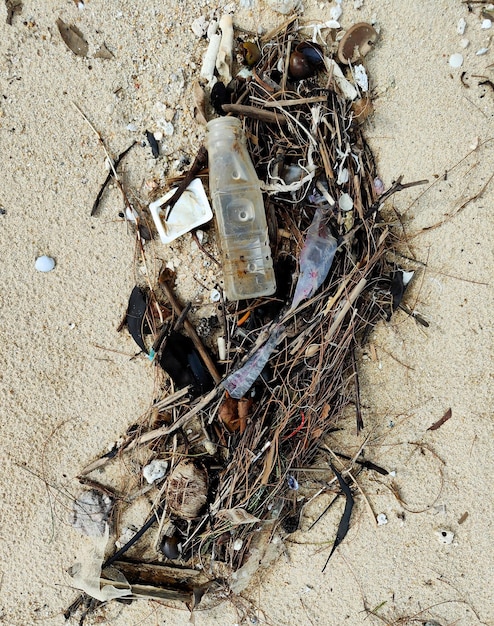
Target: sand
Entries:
(64, 399)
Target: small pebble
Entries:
(44, 263)
(237, 545)
(456, 60)
(464, 43)
(486, 24)
(482, 51)
(460, 29)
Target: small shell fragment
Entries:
(381, 519)
(460, 29)
(456, 60)
(486, 24)
(445, 536)
(44, 263)
(482, 51)
(356, 42)
(154, 470)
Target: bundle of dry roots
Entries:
(232, 433)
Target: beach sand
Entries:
(69, 387)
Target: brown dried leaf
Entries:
(104, 53)
(238, 516)
(441, 421)
(228, 413)
(73, 38)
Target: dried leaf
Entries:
(73, 38)
(441, 421)
(228, 413)
(238, 516)
(104, 53)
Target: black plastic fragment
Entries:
(136, 311)
(182, 363)
(344, 524)
(155, 148)
(397, 288)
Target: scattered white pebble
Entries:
(200, 26)
(168, 129)
(237, 545)
(462, 24)
(155, 470)
(345, 202)
(456, 60)
(358, 4)
(381, 519)
(445, 536)
(393, 473)
(482, 51)
(44, 263)
(132, 127)
(486, 24)
(158, 135)
(215, 295)
(464, 43)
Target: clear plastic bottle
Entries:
(239, 209)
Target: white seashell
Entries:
(456, 60)
(482, 51)
(154, 470)
(460, 29)
(215, 295)
(44, 263)
(381, 519)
